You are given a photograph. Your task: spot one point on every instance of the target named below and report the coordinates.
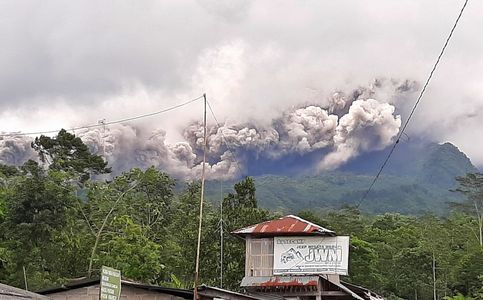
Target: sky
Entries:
(71, 63)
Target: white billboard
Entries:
(311, 255)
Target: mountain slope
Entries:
(417, 180)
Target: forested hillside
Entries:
(60, 224)
(417, 180)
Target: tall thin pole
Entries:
(434, 278)
(197, 268)
(221, 234)
(25, 278)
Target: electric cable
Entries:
(258, 184)
(222, 135)
(401, 132)
(103, 124)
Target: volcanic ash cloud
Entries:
(369, 125)
(344, 129)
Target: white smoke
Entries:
(15, 149)
(125, 147)
(308, 129)
(369, 125)
(351, 123)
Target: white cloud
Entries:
(64, 64)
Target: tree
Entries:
(38, 204)
(363, 263)
(38, 207)
(348, 220)
(111, 197)
(145, 197)
(127, 247)
(7, 173)
(240, 210)
(412, 273)
(184, 230)
(68, 153)
(468, 279)
(149, 203)
(471, 186)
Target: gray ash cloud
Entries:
(351, 123)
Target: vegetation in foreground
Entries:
(59, 224)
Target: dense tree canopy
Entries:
(68, 153)
(471, 186)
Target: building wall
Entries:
(259, 257)
(127, 293)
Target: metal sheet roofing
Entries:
(287, 225)
(347, 290)
(9, 292)
(368, 294)
(222, 293)
(85, 282)
(279, 281)
(282, 282)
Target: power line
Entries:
(259, 184)
(221, 132)
(103, 123)
(401, 132)
(202, 195)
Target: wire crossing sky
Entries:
(103, 122)
(401, 132)
(332, 82)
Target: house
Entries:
(288, 258)
(8, 292)
(89, 289)
(292, 258)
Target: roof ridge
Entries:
(279, 224)
(308, 222)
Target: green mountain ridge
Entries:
(417, 181)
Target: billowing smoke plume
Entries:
(369, 125)
(15, 150)
(348, 124)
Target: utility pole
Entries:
(197, 267)
(434, 278)
(221, 234)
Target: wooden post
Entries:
(25, 278)
(434, 278)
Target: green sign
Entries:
(110, 284)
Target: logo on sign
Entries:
(324, 254)
(290, 255)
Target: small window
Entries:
(261, 257)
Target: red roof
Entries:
(279, 281)
(288, 225)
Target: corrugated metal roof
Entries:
(288, 225)
(279, 281)
(222, 293)
(85, 282)
(267, 296)
(309, 282)
(10, 292)
(368, 294)
(347, 290)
